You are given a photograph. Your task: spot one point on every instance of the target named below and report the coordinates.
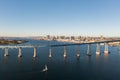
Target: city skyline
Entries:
(59, 17)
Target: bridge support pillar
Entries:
(106, 48)
(98, 48)
(78, 52)
(89, 50)
(19, 52)
(65, 54)
(34, 52)
(6, 52)
(50, 52)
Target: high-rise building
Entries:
(48, 36)
(101, 37)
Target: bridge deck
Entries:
(54, 45)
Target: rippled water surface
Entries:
(95, 67)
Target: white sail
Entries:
(45, 69)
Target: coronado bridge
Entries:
(20, 46)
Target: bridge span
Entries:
(20, 46)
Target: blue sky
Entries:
(59, 17)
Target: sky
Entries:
(59, 17)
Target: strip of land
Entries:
(2, 41)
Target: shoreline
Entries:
(5, 42)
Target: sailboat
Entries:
(45, 69)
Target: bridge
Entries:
(20, 46)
